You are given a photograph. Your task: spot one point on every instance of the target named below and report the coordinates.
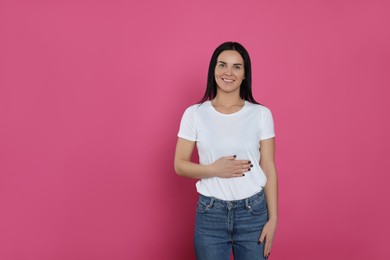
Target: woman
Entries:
(234, 135)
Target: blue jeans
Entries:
(222, 226)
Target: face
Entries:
(229, 71)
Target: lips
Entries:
(228, 80)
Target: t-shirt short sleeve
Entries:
(187, 125)
(267, 125)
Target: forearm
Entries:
(224, 167)
(192, 170)
(271, 191)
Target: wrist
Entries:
(273, 218)
(208, 170)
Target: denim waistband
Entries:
(229, 203)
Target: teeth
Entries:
(228, 80)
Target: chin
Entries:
(229, 90)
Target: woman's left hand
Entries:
(267, 235)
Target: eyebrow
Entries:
(226, 63)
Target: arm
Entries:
(183, 165)
(224, 167)
(267, 163)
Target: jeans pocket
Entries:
(258, 208)
(202, 206)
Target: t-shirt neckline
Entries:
(231, 114)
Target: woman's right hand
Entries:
(229, 167)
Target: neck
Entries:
(228, 100)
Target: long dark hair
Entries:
(246, 85)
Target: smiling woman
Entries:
(229, 72)
(234, 135)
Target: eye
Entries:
(236, 67)
(221, 65)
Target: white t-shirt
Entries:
(218, 135)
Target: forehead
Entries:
(230, 56)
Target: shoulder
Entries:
(258, 107)
(193, 109)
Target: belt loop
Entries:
(211, 202)
(246, 203)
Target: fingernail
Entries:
(243, 175)
(259, 242)
(249, 161)
(251, 165)
(249, 169)
(234, 156)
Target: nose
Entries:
(228, 71)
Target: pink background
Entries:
(91, 96)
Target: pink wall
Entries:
(91, 95)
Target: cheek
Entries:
(217, 76)
(243, 74)
(240, 75)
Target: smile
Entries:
(228, 80)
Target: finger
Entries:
(232, 158)
(235, 175)
(240, 171)
(239, 168)
(262, 236)
(245, 167)
(267, 248)
(243, 163)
